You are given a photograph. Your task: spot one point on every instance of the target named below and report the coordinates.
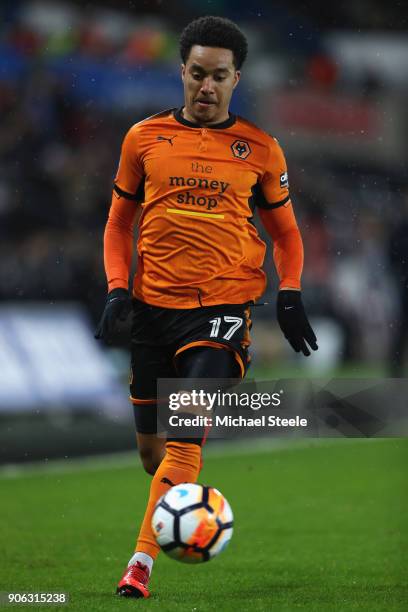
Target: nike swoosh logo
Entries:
(288, 307)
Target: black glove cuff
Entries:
(119, 292)
(287, 297)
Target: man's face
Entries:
(209, 78)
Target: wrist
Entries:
(118, 283)
(289, 297)
(118, 292)
(290, 283)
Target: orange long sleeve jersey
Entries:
(193, 191)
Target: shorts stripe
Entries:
(216, 345)
(135, 400)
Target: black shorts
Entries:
(160, 335)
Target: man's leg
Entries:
(147, 364)
(151, 450)
(182, 459)
(207, 362)
(181, 462)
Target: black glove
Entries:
(118, 306)
(293, 321)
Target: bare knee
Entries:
(151, 450)
(150, 460)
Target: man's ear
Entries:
(236, 78)
(183, 71)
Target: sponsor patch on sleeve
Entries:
(283, 180)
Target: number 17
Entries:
(216, 323)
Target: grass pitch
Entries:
(319, 526)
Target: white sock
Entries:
(143, 558)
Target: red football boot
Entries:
(134, 581)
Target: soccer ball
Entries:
(192, 523)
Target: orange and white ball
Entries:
(192, 523)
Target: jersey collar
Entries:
(217, 126)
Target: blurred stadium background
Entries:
(329, 81)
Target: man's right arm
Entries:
(127, 194)
(118, 241)
(118, 251)
(125, 210)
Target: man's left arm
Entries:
(281, 225)
(277, 216)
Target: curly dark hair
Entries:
(214, 32)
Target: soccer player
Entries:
(191, 178)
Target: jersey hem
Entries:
(194, 303)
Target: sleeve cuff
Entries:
(118, 283)
(290, 283)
